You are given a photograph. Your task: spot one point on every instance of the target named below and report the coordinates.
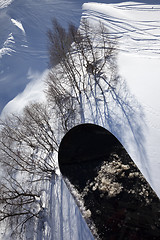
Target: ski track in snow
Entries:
(4, 3)
(68, 221)
(135, 25)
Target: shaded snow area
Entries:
(61, 221)
(137, 28)
(67, 222)
(33, 92)
(64, 220)
(23, 40)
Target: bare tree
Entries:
(27, 148)
(80, 85)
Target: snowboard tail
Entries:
(121, 202)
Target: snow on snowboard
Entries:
(121, 202)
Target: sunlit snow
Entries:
(18, 24)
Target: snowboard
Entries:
(121, 203)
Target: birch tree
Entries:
(27, 148)
(84, 75)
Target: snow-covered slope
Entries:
(137, 27)
(23, 40)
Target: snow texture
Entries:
(23, 47)
(23, 39)
(66, 219)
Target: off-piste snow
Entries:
(23, 60)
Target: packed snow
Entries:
(137, 28)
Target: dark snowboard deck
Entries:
(121, 202)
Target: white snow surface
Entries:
(137, 28)
(18, 24)
(34, 92)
